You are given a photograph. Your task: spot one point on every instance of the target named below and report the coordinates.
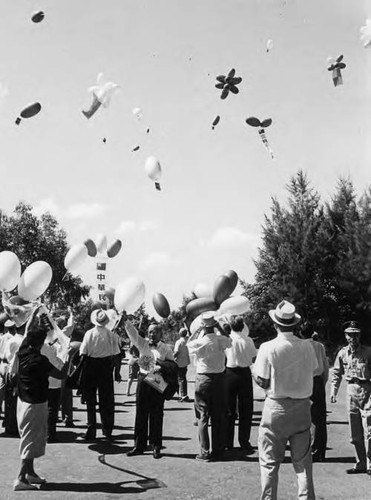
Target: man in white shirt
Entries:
(149, 401)
(181, 356)
(99, 345)
(285, 367)
(239, 388)
(209, 386)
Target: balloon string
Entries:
(65, 276)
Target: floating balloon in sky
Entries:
(29, 111)
(336, 65)
(153, 170)
(215, 122)
(102, 94)
(228, 84)
(129, 295)
(138, 113)
(366, 34)
(90, 245)
(114, 248)
(75, 256)
(269, 45)
(255, 122)
(37, 17)
(161, 305)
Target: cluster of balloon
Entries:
(336, 65)
(161, 305)
(102, 94)
(129, 295)
(29, 111)
(153, 169)
(366, 34)
(255, 122)
(37, 17)
(228, 83)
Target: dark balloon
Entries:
(235, 81)
(161, 305)
(199, 306)
(231, 73)
(224, 93)
(219, 86)
(92, 249)
(114, 248)
(216, 121)
(38, 17)
(221, 79)
(31, 110)
(341, 65)
(340, 58)
(222, 289)
(233, 276)
(266, 123)
(254, 122)
(234, 89)
(136, 148)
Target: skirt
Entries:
(33, 428)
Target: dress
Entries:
(289, 364)
(210, 403)
(356, 369)
(149, 402)
(100, 346)
(239, 387)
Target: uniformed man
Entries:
(354, 362)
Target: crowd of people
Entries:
(39, 369)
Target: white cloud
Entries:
(46, 205)
(230, 237)
(126, 226)
(157, 259)
(84, 210)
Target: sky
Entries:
(216, 184)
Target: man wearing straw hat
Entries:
(284, 368)
(354, 363)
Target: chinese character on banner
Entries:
(101, 276)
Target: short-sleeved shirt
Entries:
(242, 351)
(210, 352)
(99, 342)
(289, 363)
(352, 365)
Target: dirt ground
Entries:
(102, 470)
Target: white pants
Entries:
(285, 420)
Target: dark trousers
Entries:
(239, 391)
(54, 398)
(318, 414)
(98, 376)
(149, 413)
(10, 411)
(182, 381)
(66, 402)
(210, 405)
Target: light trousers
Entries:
(285, 421)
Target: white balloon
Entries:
(75, 256)
(137, 112)
(366, 34)
(10, 271)
(235, 305)
(101, 242)
(153, 168)
(203, 290)
(196, 324)
(269, 45)
(35, 280)
(129, 295)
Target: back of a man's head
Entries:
(237, 323)
(307, 330)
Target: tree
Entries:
(32, 238)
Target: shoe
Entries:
(20, 486)
(356, 471)
(249, 450)
(85, 438)
(134, 451)
(68, 423)
(156, 452)
(368, 472)
(35, 479)
(318, 457)
(185, 399)
(53, 439)
(203, 457)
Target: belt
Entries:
(358, 381)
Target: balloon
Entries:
(228, 83)
(92, 249)
(233, 276)
(235, 305)
(101, 242)
(113, 317)
(269, 45)
(137, 112)
(161, 305)
(203, 290)
(366, 34)
(102, 94)
(37, 17)
(153, 170)
(255, 122)
(29, 111)
(75, 256)
(199, 306)
(335, 66)
(114, 248)
(129, 295)
(196, 324)
(10, 271)
(215, 122)
(222, 289)
(35, 280)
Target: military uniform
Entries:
(355, 366)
